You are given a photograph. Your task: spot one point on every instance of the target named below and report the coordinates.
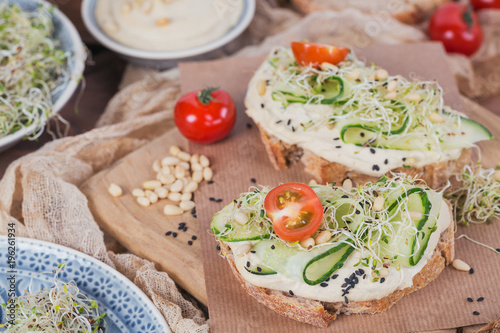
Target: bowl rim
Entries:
(103, 38)
(76, 73)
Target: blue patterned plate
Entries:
(128, 309)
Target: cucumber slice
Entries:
(311, 267)
(332, 89)
(227, 231)
(468, 133)
(259, 269)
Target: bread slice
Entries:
(406, 11)
(322, 313)
(283, 155)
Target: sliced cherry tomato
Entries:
(295, 210)
(485, 4)
(205, 116)
(457, 27)
(316, 54)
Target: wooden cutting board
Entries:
(142, 230)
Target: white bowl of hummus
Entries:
(159, 33)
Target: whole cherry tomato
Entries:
(295, 210)
(316, 54)
(205, 116)
(457, 27)
(485, 4)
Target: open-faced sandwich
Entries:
(344, 119)
(311, 253)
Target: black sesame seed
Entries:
(168, 233)
(345, 196)
(346, 300)
(180, 227)
(249, 125)
(248, 263)
(470, 299)
(217, 247)
(195, 216)
(362, 271)
(290, 292)
(262, 105)
(336, 139)
(279, 121)
(358, 273)
(293, 129)
(259, 269)
(344, 285)
(362, 134)
(375, 167)
(386, 161)
(372, 150)
(184, 229)
(193, 211)
(194, 237)
(190, 242)
(273, 247)
(352, 276)
(323, 284)
(358, 212)
(498, 250)
(210, 182)
(480, 299)
(356, 280)
(475, 313)
(404, 159)
(211, 199)
(253, 251)
(382, 280)
(335, 276)
(338, 147)
(218, 200)
(174, 234)
(471, 271)
(327, 280)
(289, 121)
(253, 180)
(364, 276)
(182, 224)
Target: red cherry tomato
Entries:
(295, 210)
(316, 54)
(485, 4)
(205, 116)
(457, 27)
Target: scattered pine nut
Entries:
(371, 77)
(183, 156)
(378, 203)
(172, 210)
(410, 161)
(156, 166)
(196, 167)
(461, 265)
(115, 190)
(170, 160)
(204, 161)
(415, 215)
(179, 172)
(208, 174)
(496, 175)
(143, 201)
(347, 184)
(167, 180)
(137, 192)
(326, 66)
(198, 176)
(174, 150)
(308, 243)
(323, 237)
(413, 97)
(186, 196)
(161, 192)
(391, 86)
(185, 165)
(262, 87)
(177, 186)
(151, 184)
(381, 74)
(152, 196)
(313, 182)
(391, 95)
(436, 118)
(195, 158)
(191, 187)
(354, 74)
(240, 217)
(187, 205)
(174, 196)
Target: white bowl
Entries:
(66, 33)
(165, 59)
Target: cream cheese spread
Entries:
(323, 141)
(167, 25)
(365, 290)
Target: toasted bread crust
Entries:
(322, 313)
(283, 155)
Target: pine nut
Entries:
(179, 172)
(167, 180)
(415, 215)
(307, 243)
(137, 192)
(115, 190)
(436, 118)
(371, 77)
(177, 186)
(174, 150)
(185, 165)
(326, 66)
(461, 265)
(382, 273)
(167, 170)
(198, 176)
(152, 196)
(156, 166)
(191, 187)
(381, 74)
(410, 161)
(243, 250)
(196, 167)
(187, 205)
(204, 161)
(161, 192)
(186, 196)
(172, 210)
(347, 185)
(183, 156)
(170, 160)
(354, 74)
(413, 97)
(186, 181)
(496, 175)
(378, 203)
(151, 184)
(195, 158)
(391, 86)
(207, 174)
(240, 217)
(313, 182)
(174, 196)
(143, 201)
(262, 87)
(323, 237)
(391, 95)
(161, 22)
